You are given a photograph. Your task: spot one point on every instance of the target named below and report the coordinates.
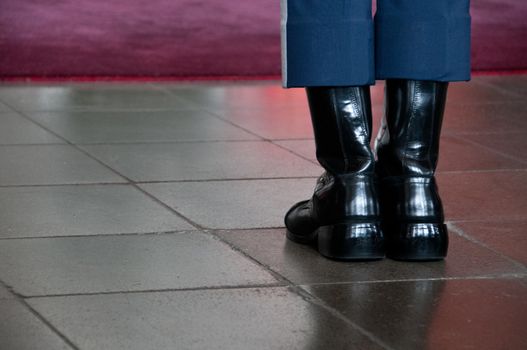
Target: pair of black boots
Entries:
(363, 209)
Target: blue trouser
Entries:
(338, 43)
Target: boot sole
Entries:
(345, 241)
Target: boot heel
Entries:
(418, 242)
(351, 241)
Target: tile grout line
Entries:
(308, 297)
(268, 140)
(69, 184)
(511, 276)
(128, 143)
(496, 87)
(494, 220)
(482, 171)
(460, 232)
(293, 152)
(150, 233)
(102, 109)
(506, 155)
(213, 114)
(278, 284)
(448, 133)
(20, 299)
(130, 181)
(163, 290)
(116, 234)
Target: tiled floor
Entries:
(150, 216)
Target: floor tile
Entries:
(304, 265)
(304, 148)
(4, 108)
(293, 122)
(82, 96)
(124, 263)
(21, 330)
(515, 84)
(498, 195)
(253, 96)
(214, 319)
(231, 96)
(4, 294)
(233, 204)
(475, 93)
(17, 130)
(146, 126)
(510, 144)
(454, 314)
(289, 123)
(82, 210)
(200, 161)
(50, 164)
(505, 237)
(485, 118)
(456, 154)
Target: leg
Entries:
(327, 43)
(343, 213)
(328, 48)
(421, 46)
(422, 40)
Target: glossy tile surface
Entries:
(144, 126)
(478, 93)
(514, 84)
(303, 265)
(5, 294)
(82, 210)
(124, 263)
(50, 164)
(235, 204)
(21, 330)
(213, 319)
(187, 249)
(513, 145)
(507, 238)
(18, 130)
(304, 148)
(272, 122)
(202, 161)
(487, 118)
(484, 195)
(457, 154)
(87, 96)
(453, 314)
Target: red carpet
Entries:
(193, 38)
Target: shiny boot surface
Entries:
(342, 217)
(407, 152)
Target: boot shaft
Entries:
(342, 121)
(408, 142)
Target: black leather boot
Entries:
(407, 151)
(343, 215)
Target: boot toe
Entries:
(301, 227)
